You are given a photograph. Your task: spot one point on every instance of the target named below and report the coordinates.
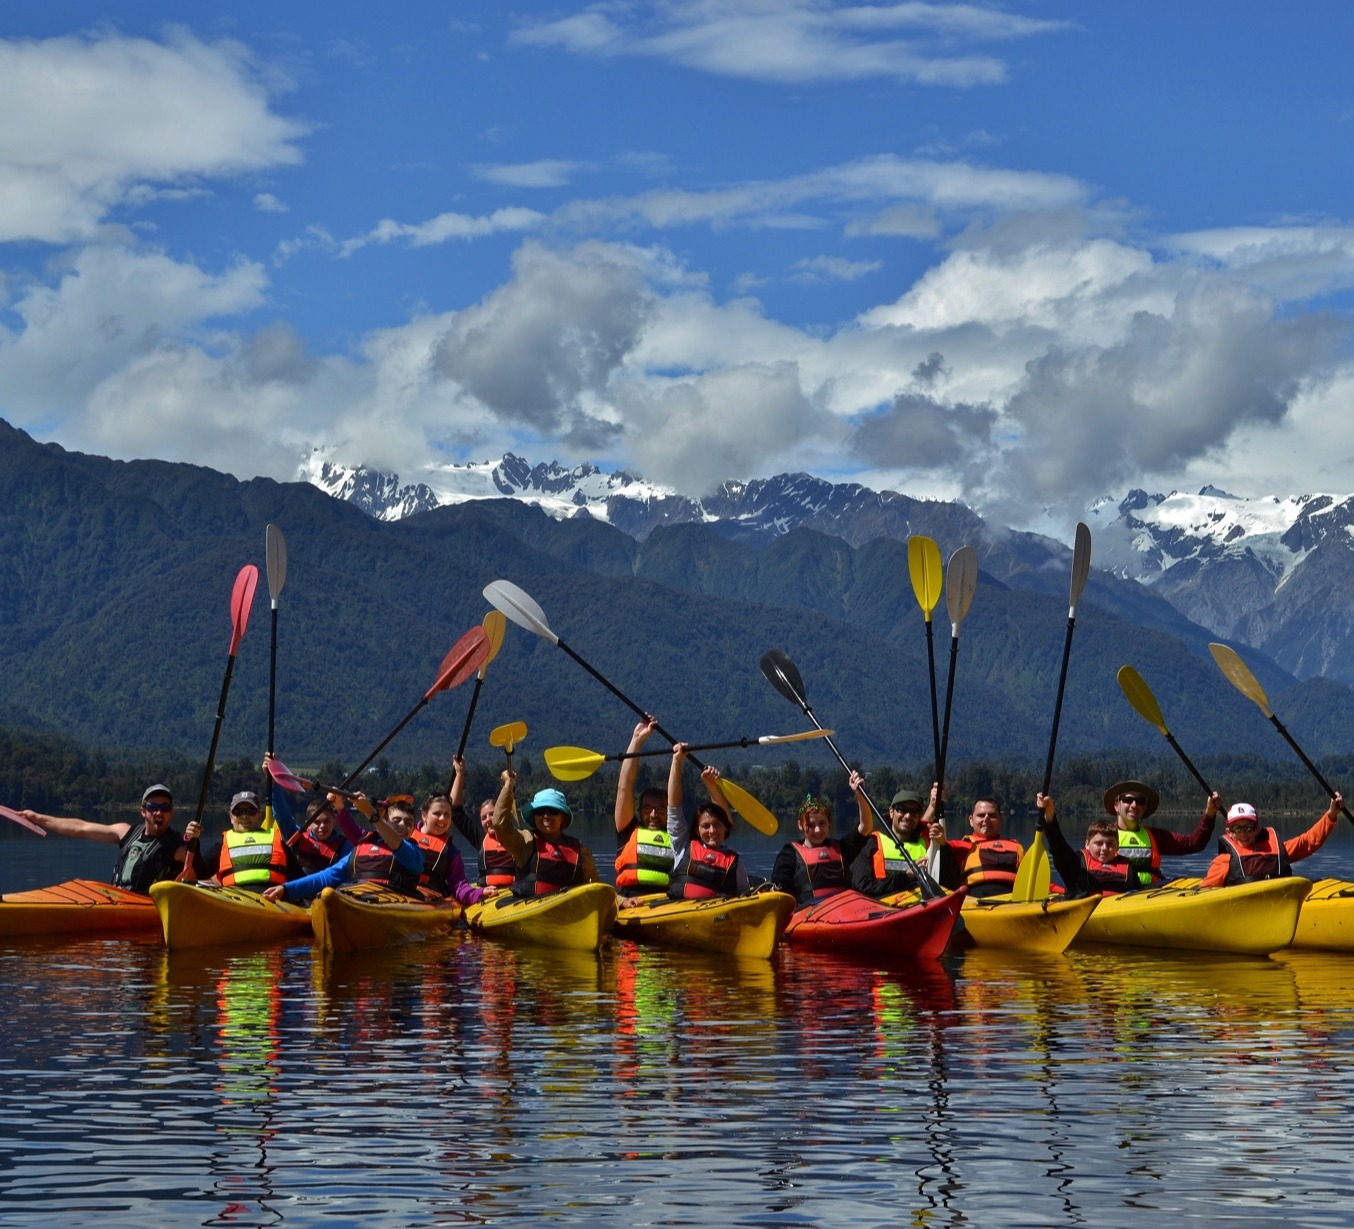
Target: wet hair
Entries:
(1102, 827)
(719, 813)
(432, 798)
(814, 803)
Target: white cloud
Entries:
(547, 173)
(833, 269)
(97, 123)
(797, 41)
(445, 227)
(266, 202)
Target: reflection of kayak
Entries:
(736, 926)
(203, 915)
(364, 915)
(1028, 926)
(1250, 918)
(1327, 917)
(577, 918)
(78, 906)
(850, 922)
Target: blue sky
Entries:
(1024, 254)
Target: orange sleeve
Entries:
(1305, 844)
(1217, 872)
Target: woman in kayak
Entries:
(1248, 853)
(443, 868)
(546, 860)
(815, 867)
(645, 857)
(1097, 870)
(494, 865)
(705, 866)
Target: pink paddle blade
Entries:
(21, 821)
(463, 659)
(241, 599)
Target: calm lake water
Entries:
(462, 1082)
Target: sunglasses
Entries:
(157, 808)
(246, 811)
(907, 810)
(1242, 827)
(1133, 799)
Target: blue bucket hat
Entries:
(549, 800)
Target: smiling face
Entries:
(904, 820)
(401, 818)
(653, 810)
(549, 822)
(985, 820)
(1102, 847)
(323, 824)
(1129, 809)
(1244, 832)
(816, 825)
(487, 814)
(246, 817)
(437, 817)
(710, 829)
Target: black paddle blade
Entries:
(784, 676)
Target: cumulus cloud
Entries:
(797, 41)
(109, 120)
(547, 173)
(266, 202)
(444, 228)
(916, 432)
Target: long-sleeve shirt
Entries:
(408, 855)
(679, 829)
(1304, 845)
(519, 842)
(1172, 844)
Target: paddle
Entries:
(275, 551)
(1240, 676)
(241, 598)
(578, 763)
(507, 737)
(1140, 696)
(522, 609)
(495, 625)
(928, 578)
(960, 583)
(15, 817)
(289, 781)
(1033, 883)
(784, 676)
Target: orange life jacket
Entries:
(1266, 859)
(497, 869)
(706, 872)
(253, 860)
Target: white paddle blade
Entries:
(1081, 567)
(520, 607)
(275, 548)
(960, 584)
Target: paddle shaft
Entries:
(1058, 703)
(469, 717)
(211, 761)
(945, 732)
(935, 706)
(1312, 768)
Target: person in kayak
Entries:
(546, 860)
(645, 858)
(494, 867)
(320, 842)
(248, 855)
(705, 867)
(1131, 803)
(1248, 853)
(1098, 869)
(149, 851)
(880, 869)
(817, 866)
(443, 867)
(984, 859)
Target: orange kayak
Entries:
(78, 906)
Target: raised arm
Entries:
(458, 781)
(865, 824)
(106, 834)
(625, 783)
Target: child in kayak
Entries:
(1248, 853)
(1097, 869)
(705, 866)
(815, 867)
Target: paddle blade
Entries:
(1140, 696)
(288, 779)
(784, 676)
(748, 807)
(518, 606)
(275, 546)
(927, 571)
(241, 599)
(1081, 566)
(15, 817)
(495, 626)
(960, 584)
(1240, 676)
(462, 660)
(572, 763)
(1033, 877)
(802, 736)
(508, 736)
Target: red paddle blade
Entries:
(286, 778)
(241, 599)
(15, 817)
(464, 658)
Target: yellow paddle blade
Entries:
(927, 570)
(1140, 696)
(1239, 675)
(572, 763)
(508, 736)
(748, 807)
(1032, 879)
(495, 624)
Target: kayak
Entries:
(360, 916)
(576, 918)
(78, 906)
(1249, 918)
(1327, 918)
(204, 915)
(1047, 925)
(854, 924)
(737, 926)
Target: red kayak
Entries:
(854, 924)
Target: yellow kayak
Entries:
(204, 915)
(1249, 918)
(576, 918)
(78, 906)
(1327, 918)
(737, 926)
(1047, 925)
(360, 916)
